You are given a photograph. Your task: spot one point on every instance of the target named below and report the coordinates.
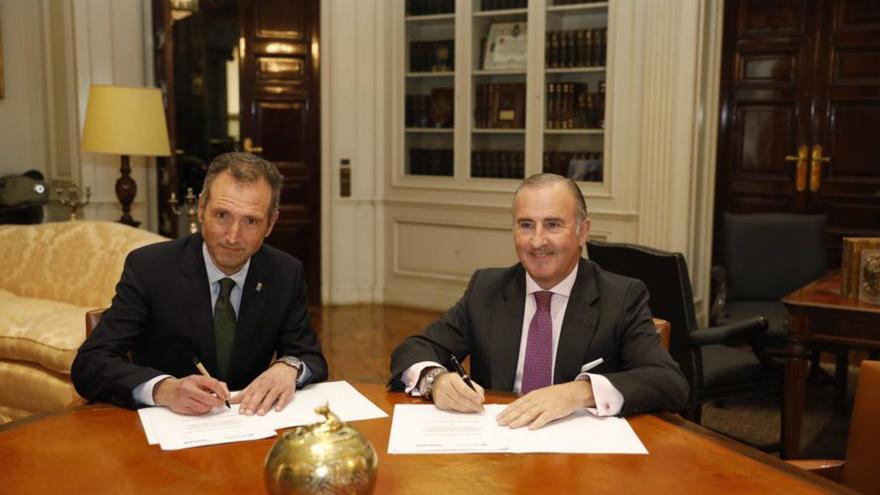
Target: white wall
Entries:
(53, 50)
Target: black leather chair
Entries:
(715, 371)
(766, 256)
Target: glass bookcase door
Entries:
(575, 55)
(498, 89)
(430, 88)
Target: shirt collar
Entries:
(215, 274)
(563, 288)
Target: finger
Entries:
(546, 417)
(456, 401)
(268, 400)
(284, 398)
(255, 394)
(195, 390)
(465, 393)
(480, 391)
(235, 399)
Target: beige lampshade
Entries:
(125, 120)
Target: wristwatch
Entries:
(293, 362)
(426, 383)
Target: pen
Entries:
(461, 373)
(204, 372)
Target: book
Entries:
(851, 263)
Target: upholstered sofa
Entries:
(50, 275)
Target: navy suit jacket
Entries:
(607, 316)
(161, 313)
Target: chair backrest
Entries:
(768, 255)
(671, 297)
(861, 471)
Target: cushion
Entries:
(73, 262)
(723, 365)
(28, 387)
(39, 331)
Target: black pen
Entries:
(461, 373)
(204, 372)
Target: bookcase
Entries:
(497, 90)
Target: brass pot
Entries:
(324, 458)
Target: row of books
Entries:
(576, 165)
(432, 56)
(572, 106)
(430, 161)
(576, 48)
(434, 110)
(430, 7)
(500, 106)
(503, 4)
(498, 164)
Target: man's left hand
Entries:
(275, 386)
(541, 406)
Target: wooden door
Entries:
(800, 108)
(280, 117)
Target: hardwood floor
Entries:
(358, 340)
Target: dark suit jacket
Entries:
(607, 316)
(162, 314)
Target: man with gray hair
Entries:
(218, 298)
(555, 327)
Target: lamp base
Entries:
(126, 190)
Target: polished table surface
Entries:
(102, 449)
(819, 313)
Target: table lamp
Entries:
(125, 121)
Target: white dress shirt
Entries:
(609, 401)
(143, 393)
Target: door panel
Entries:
(801, 74)
(280, 115)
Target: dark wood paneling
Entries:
(768, 17)
(855, 130)
(281, 114)
(766, 68)
(851, 66)
(761, 144)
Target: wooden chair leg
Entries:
(841, 373)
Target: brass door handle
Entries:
(801, 167)
(250, 148)
(816, 160)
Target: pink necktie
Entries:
(539, 346)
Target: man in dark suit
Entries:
(220, 297)
(540, 327)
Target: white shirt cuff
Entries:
(143, 393)
(306, 373)
(609, 400)
(410, 377)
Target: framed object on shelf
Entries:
(508, 106)
(506, 46)
(869, 276)
(442, 106)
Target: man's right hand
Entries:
(193, 395)
(450, 392)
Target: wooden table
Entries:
(102, 449)
(818, 313)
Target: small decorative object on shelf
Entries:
(322, 458)
(578, 165)
(72, 197)
(191, 210)
(430, 7)
(506, 46)
(501, 106)
(432, 56)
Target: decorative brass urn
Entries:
(323, 458)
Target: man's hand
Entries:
(452, 393)
(275, 386)
(193, 395)
(541, 406)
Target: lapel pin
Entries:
(259, 286)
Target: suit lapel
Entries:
(578, 326)
(507, 332)
(197, 301)
(252, 308)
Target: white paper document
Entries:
(424, 429)
(174, 431)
